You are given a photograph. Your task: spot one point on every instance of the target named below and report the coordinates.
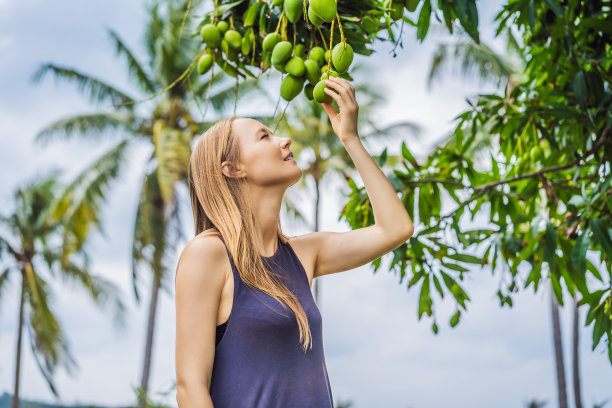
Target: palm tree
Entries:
(46, 234)
(167, 129)
(308, 126)
(507, 70)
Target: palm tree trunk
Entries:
(15, 401)
(316, 222)
(149, 347)
(561, 389)
(575, 360)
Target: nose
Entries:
(286, 142)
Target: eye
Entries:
(265, 135)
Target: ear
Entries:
(229, 170)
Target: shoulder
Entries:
(203, 253)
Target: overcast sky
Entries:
(378, 353)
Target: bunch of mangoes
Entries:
(279, 34)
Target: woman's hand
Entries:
(345, 122)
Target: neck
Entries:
(266, 209)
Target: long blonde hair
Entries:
(221, 203)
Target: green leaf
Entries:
(251, 14)
(438, 286)
(601, 235)
(532, 14)
(550, 244)
(382, 159)
(466, 258)
(554, 6)
(579, 86)
(423, 21)
(425, 301)
(556, 286)
(408, 156)
(454, 267)
(579, 252)
(454, 320)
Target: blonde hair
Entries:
(221, 203)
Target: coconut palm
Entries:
(506, 70)
(322, 155)
(168, 129)
(45, 239)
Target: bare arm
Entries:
(336, 252)
(199, 281)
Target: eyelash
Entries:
(265, 135)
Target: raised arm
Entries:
(199, 282)
(336, 252)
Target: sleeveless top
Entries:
(259, 361)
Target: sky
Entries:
(378, 353)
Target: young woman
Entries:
(248, 332)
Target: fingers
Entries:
(335, 95)
(331, 112)
(346, 91)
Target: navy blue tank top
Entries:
(259, 361)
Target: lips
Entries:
(288, 157)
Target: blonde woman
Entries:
(248, 332)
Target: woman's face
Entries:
(262, 155)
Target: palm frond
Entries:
(135, 68)
(149, 238)
(77, 207)
(86, 125)
(172, 151)
(46, 336)
(98, 90)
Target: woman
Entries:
(248, 333)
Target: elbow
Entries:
(193, 395)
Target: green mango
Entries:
(326, 9)
(312, 71)
(326, 75)
(278, 2)
(313, 17)
(210, 35)
(324, 69)
(233, 38)
(295, 66)
(270, 41)
(230, 53)
(308, 91)
(222, 26)
(317, 54)
(319, 92)
(280, 68)
(397, 9)
(342, 56)
(205, 63)
(411, 5)
(299, 51)
(281, 52)
(536, 154)
(291, 87)
(326, 56)
(293, 10)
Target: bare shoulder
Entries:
(205, 249)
